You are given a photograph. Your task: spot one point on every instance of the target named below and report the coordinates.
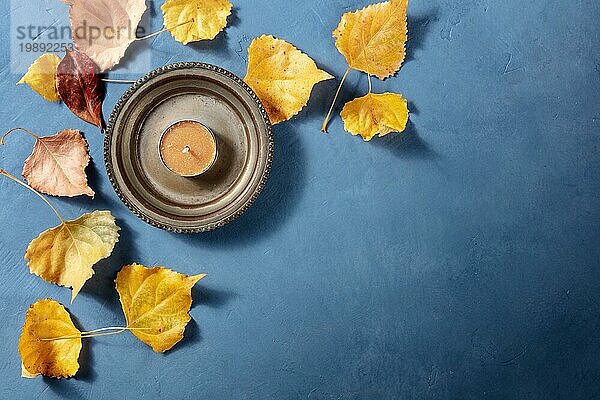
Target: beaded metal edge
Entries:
(117, 110)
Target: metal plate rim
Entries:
(117, 111)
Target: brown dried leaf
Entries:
(57, 165)
(79, 86)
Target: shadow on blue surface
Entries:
(418, 29)
(191, 336)
(211, 297)
(86, 358)
(102, 287)
(407, 144)
(278, 200)
(66, 388)
(219, 46)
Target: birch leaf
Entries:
(65, 255)
(57, 165)
(156, 303)
(41, 76)
(373, 39)
(104, 29)
(281, 76)
(48, 319)
(79, 86)
(375, 114)
(206, 18)
(27, 374)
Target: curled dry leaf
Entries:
(375, 114)
(373, 39)
(104, 29)
(156, 303)
(41, 76)
(79, 86)
(65, 255)
(48, 319)
(206, 18)
(57, 164)
(281, 76)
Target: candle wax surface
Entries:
(188, 148)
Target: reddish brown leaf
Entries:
(57, 165)
(79, 86)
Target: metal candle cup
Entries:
(188, 148)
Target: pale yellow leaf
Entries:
(375, 114)
(65, 255)
(281, 76)
(194, 20)
(41, 76)
(48, 319)
(373, 39)
(156, 303)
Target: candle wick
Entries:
(186, 149)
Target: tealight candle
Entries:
(188, 148)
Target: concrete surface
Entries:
(459, 260)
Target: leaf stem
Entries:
(324, 127)
(9, 176)
(164, 30)
(117, 80)
(18, 129)
(95, 333)
(370, 84)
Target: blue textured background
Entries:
(459, 260)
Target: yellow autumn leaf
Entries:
(65, 255)
(156, 303)
(206, 18)
(281, 76)
(375, 114)
(41, 76)
(48, 319)
(373, 39)
(27, 374)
